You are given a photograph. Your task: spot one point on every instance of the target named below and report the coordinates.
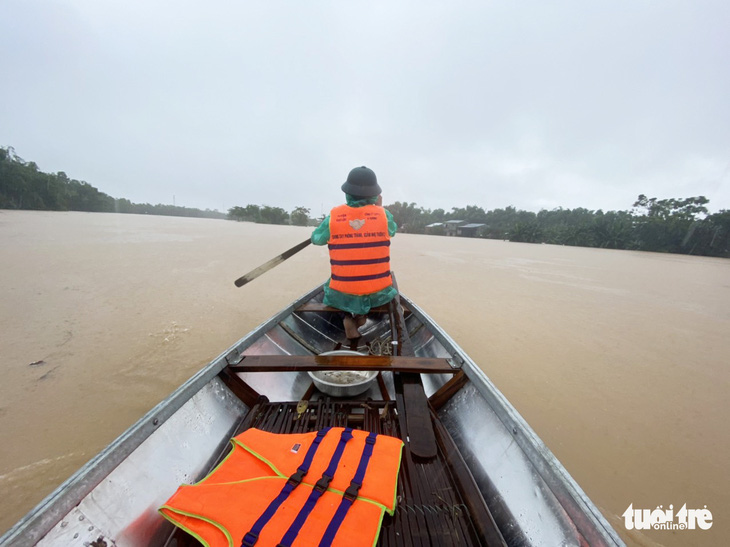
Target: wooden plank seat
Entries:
(289, 363)
(438, 501)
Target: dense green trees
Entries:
(300, 216)
(261, 214)
(411, 218)
(24, 186)
(676, 226)
(666, 225)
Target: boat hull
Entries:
(531, 497)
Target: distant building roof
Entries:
(454, 221)
(435, 225)
(472, 225)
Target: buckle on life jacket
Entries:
(296, 479)
(249, 540)
(352, 491)
(323, 483)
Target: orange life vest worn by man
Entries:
(358, 236)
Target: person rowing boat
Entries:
(358, 235)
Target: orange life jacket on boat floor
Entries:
(359, 249)
(330, 487)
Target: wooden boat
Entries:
(473, 472)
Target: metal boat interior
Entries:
(473, 472)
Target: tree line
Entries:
(662, 225)
(674, 225)
(24, 186)
(265, 214)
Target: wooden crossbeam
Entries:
(289, 363)
(319, 307)
(448, 390)
(243, 391)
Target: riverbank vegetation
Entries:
(24, 186)
(663, 225)
(652, 224)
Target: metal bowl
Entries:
(343, 383)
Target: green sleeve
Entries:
(321, 234)
(392, 226)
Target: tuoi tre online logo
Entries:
(666, 519)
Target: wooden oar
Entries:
(409, 392)
(253, 274)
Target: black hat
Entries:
(362, 183)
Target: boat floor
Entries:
(438, 501)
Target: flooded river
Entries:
(618, 360)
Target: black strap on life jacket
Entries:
(252, 536)
(349, 497)
(350, 494)
(319, 489)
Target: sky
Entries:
(530, 104)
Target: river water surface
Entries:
(618, 360)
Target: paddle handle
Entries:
(253, 274)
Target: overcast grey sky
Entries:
(535, 104)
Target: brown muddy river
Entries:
(618, 360)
